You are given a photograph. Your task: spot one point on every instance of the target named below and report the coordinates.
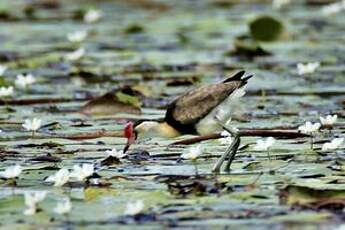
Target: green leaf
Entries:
(128, 99)
(3, 82)
(266, 28)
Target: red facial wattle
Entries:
(128, 130)
(129, 134)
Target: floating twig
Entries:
(93, 135)
(39, 101)
(284, 134)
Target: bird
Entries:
(200, 111)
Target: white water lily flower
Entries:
(307, 68)
(334, 144)
(82, 172)
(309, 128)
(340, 227)
(3, 69)
(193, 153)
(32, 199)
(6, 91)
(32, 125)
(333, 8)
(92, 16)
(77, 36)
(115, 153)
(31, 210)
(94, 181)
(278, 4)
(60, 178)
(225, 133)
(264, 145)
(11, 172)
(23, 81)
(226, 140)
(63, 207)
(75, 55)
(134, 208)
(329, 120)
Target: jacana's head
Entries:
(147, 129)
(143, 129)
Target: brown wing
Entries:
(196, 104)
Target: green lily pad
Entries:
(266, 28)
(128, 99)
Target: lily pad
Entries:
(266, 28)
(112, 103)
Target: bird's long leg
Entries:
(231, 157)
(230, 153)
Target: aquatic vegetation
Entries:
(264, 145)
(11, 172)
(77, 36)
(307, 68)
(75, 55)
(32, 199)
(278, 4)
(63, 207)
(80, 173)
(310, 128)
(24, 81)
(115, 153)
(329, 120)
(32, 125)
(3, 69)
(332, 145)
(6, 91)
(134, 208)
(92, 16)
(60, 178)
(192, 153)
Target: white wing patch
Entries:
(223, 112)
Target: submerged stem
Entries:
(269, 159)
(196, 167)
(67, 216)
(14, 184)
(268, 154)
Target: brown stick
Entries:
(287, 93)
(77, 136)
(38, 101)
(8, 122)
(93, 135)
(197, 139)
(287, 134)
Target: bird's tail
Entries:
(239, 76)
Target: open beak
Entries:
(130, 134)
(130, 141)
